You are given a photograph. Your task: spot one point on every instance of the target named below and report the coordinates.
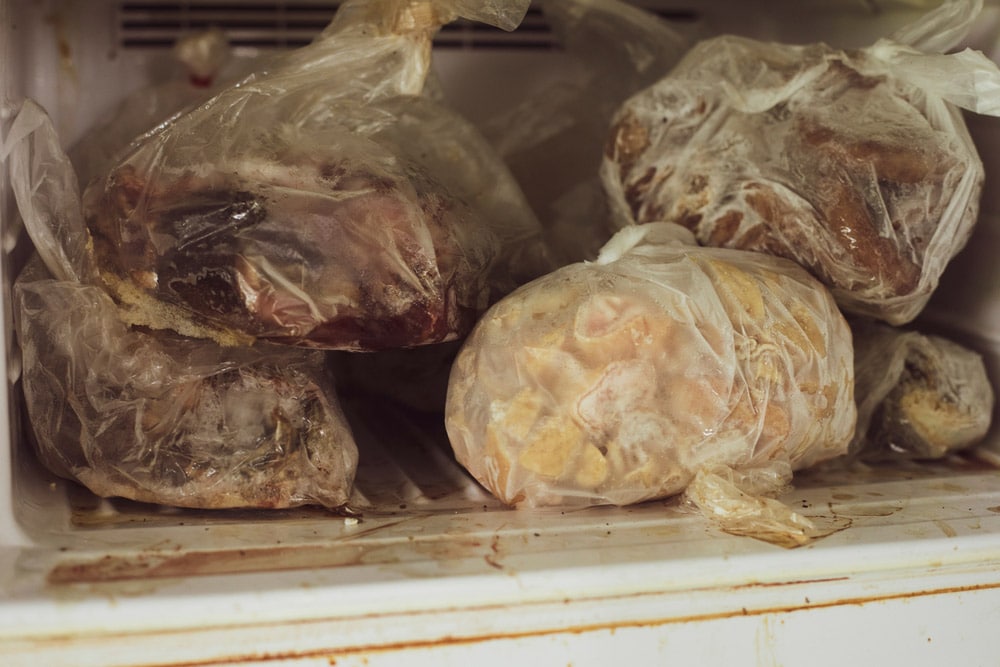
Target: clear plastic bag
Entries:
(743, 502)
(161, 419)
(919, 396)
(151, 416)
(617, 381)
(857, 165)
(321, 202)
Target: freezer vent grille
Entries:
(278, 24)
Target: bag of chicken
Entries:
(855, 164)
(661, 363)
(323, 201)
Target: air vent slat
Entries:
(157, 24)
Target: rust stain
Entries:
(164, 560)
(153, 565)
(768, 584)
(448, 641)
(949, 486)
(368, 531)
(58, 23)
(65, 52)
(333, 655)
(491, 558)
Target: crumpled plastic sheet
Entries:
(744, 502)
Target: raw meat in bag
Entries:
(162, 419)
(153, 416)
(322, 201)
(857, 165)
(626, 379)
(919, 396)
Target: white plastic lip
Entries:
(688, 588)
(945, 538)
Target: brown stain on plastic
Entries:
(164, 561)
(362, 652)
(491, 558)
(886, 509)
(945, 528)
(155, 565)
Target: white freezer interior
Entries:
(440, 573)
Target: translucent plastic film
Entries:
(552, 140)
(919, 396)
(857, 165)
(321, 202)
(203, 65)
(161, 419)
(617, 381)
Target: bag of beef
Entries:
(152, 416)
(322, 201)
